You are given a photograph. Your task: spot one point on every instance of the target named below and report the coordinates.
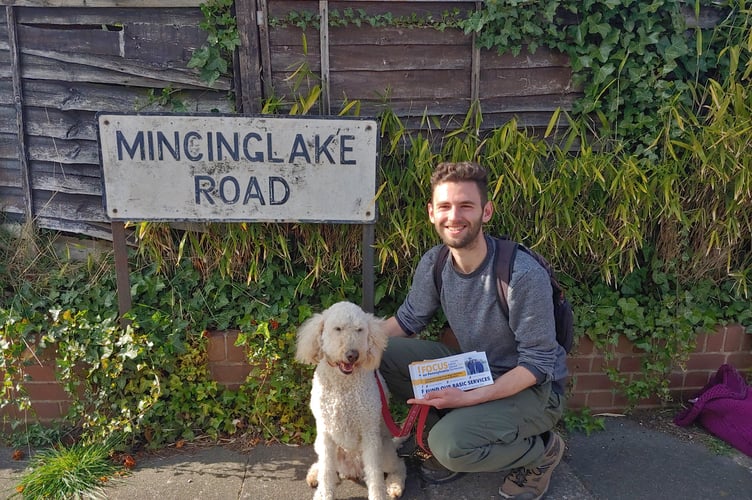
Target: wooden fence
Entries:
(61, 61)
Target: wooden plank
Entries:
(163, 46)
(50, 122)
(4, 61)
(542, 58)
(518, 82)
(61, 16)
(69, 184)
(100, 97)
(66, 170)
(12, 200)
(8, 146)
(517, 104)
(62, 151)
(265, 46)
(94, 41)
(9, 175)
(49, 65)
(249, 61)
(69, 206)
(400, 84)
(324, 56)
(7, 118)
(419, 8)
(92, 229)
(21, 140)
(368, 35)
(141, 4)
(524, 119)
(400, 58)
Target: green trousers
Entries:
(495, 436)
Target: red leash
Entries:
(419, 412)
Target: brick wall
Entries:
(589, 386)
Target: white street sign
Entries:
(238, 168)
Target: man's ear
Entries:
(429, 207)
(488, 210)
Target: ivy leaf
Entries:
(603, 73)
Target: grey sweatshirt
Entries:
(471, 305)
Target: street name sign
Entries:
(232, 168)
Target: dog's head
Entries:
(344, 336)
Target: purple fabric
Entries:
(724, 408)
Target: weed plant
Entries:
(78, 471)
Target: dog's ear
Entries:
(377, 340)
(309, 340)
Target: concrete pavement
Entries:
(626, 461)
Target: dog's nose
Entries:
(352, 355)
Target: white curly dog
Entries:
(345, 344)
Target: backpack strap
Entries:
(506, 251)
(438, 267)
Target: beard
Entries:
(464, 239)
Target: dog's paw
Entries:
(312, 478)
(394, 490)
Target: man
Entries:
(507, 426)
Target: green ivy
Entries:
(214, 58)
(633, 59)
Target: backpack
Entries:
(506, 251)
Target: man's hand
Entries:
(451, 397)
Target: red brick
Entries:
(11, 413)
(593, 381)
(676, 379)
(229, 375)
(714, 341)
(621, 402)
(216, 350)
(740, 360)
(600, 400)
(577, 401)
(584, 346)
(40, 373)
(579, 364)
(47, 411)
(46, 391)
(734, 334)
(599, 364)
(710, 361)
(630, 364)
(625, 346)
(697, 378)
(747, 342)
(236, 354)
(651, 401)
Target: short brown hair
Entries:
(464, 171)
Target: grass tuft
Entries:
(78, 471)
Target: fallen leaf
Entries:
(180, 443)
(17, 455)
(129, 462)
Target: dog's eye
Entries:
(360, 329)
(337, 328)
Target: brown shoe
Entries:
(532, 484)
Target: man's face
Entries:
(457, 213)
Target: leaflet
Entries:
(465, 371)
